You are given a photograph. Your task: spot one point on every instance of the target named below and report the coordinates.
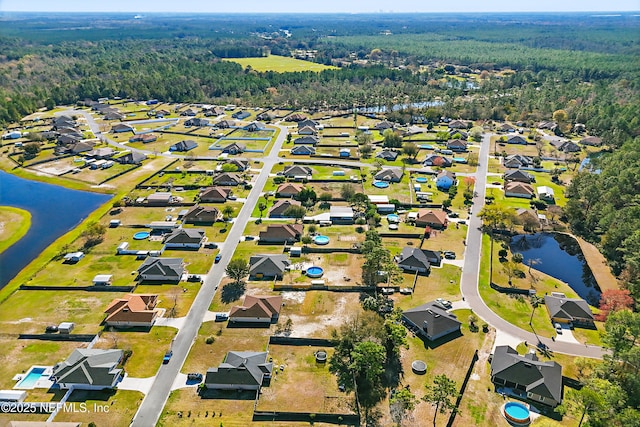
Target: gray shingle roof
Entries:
(89, 366)
(568, 308)
(241, 368)
(431, 319)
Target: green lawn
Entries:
(280, 64)
(14, 223)
(104, 408)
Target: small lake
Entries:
(54, 211)
(560, 256)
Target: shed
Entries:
(122, 247)
(114, 223)
(66, 327)
(12, 395)
(295, 251)
(386, 208)
(102, 279)
(74, 256)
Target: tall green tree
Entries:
(441, 394)
(237, 269)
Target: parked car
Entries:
(444, 303)
(449, 254)
(194, 278)
(221, 317)
(51, 329)
(211, 245)
(167, 357)
(558, 327)
(194, 376)
(218, 258)
(232, 197)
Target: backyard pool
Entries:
(315, 272)
(321, 240)
(380, 184)
(516, 413)
(421, 180)
(141, 235)
(29, 381)
(393, 218)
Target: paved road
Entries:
(153, 403)
(471, 271)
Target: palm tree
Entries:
(227, 212)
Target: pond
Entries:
(54, 211)
(559, 256)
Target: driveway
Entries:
(142, 385)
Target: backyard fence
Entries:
(77, 288)
(58, 337)
(316, 342)
(515, 291)
(119, 174)
(452, 417)
(340, 419)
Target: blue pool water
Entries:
(315, 272)
(427, 147)
(516, 411)
(421, 179)
(393, 218)
(32, 377)
(321, 240)
(381, 184)
(141, 235)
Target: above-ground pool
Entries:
(516, 413)
(321, 240)
(29, 381)
(421, 179)
(315, 272)
(141, 235)
(380, 184)
(419, 367)
(393, 218)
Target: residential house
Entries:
(144, 137)
(133, 310)
(214, 195)
(159, 198)
(566, 146)
(546, 193)
(458, 124)
(457, 133)
(591, 140)
(295, 117)
(388, 155)
(184, 238)
(121, 127)
(89, 369)
(341, 214)
(255, 127)
(62, 121)
(228, 178)
(241, 115)
(234, 148)
(204, 215)
(312, 140)
(303, 150)
(225, 124)
(197, 122)
(516, 139)
(257, 310)
(384, 125)
(307, 122)
(289, 189)
(548, 125)
(65, 139)
(526, 376)
(280, 206)
(70, 131)
(518, 189)
(517, 161)
(188, 113)
(445, 180)
(241, 370)
(391, 174)
(239, 162)
(431, 218)
(282, 233)
(161, 270)
(268, 266)
(416, 259)
(185, 145)
(430, 321)
(307, 130)
(574, 311)
(101, 153)
(81, 147)
(213, 111)
(113, 115)
(437, 160)
(457, 145)
(506, 127)
(298, 172)
(266, 116)
(528, 218)
(519, 176)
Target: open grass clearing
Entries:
(14, 223)
(280, 64)
(147, 348)
(181, 296)
(314, 387)
(104, 408)
(440, 283)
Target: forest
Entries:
(480, 67)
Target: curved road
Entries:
(471, 272)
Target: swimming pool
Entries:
(516, 413)
(393, 218)
(141, 235)
(321, 240)
(421, 179)
(29, 381)
(380, 184)
(315, 272)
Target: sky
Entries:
(323, 6)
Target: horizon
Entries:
(326, 7)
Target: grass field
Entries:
(280, 64)
(14, 223)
